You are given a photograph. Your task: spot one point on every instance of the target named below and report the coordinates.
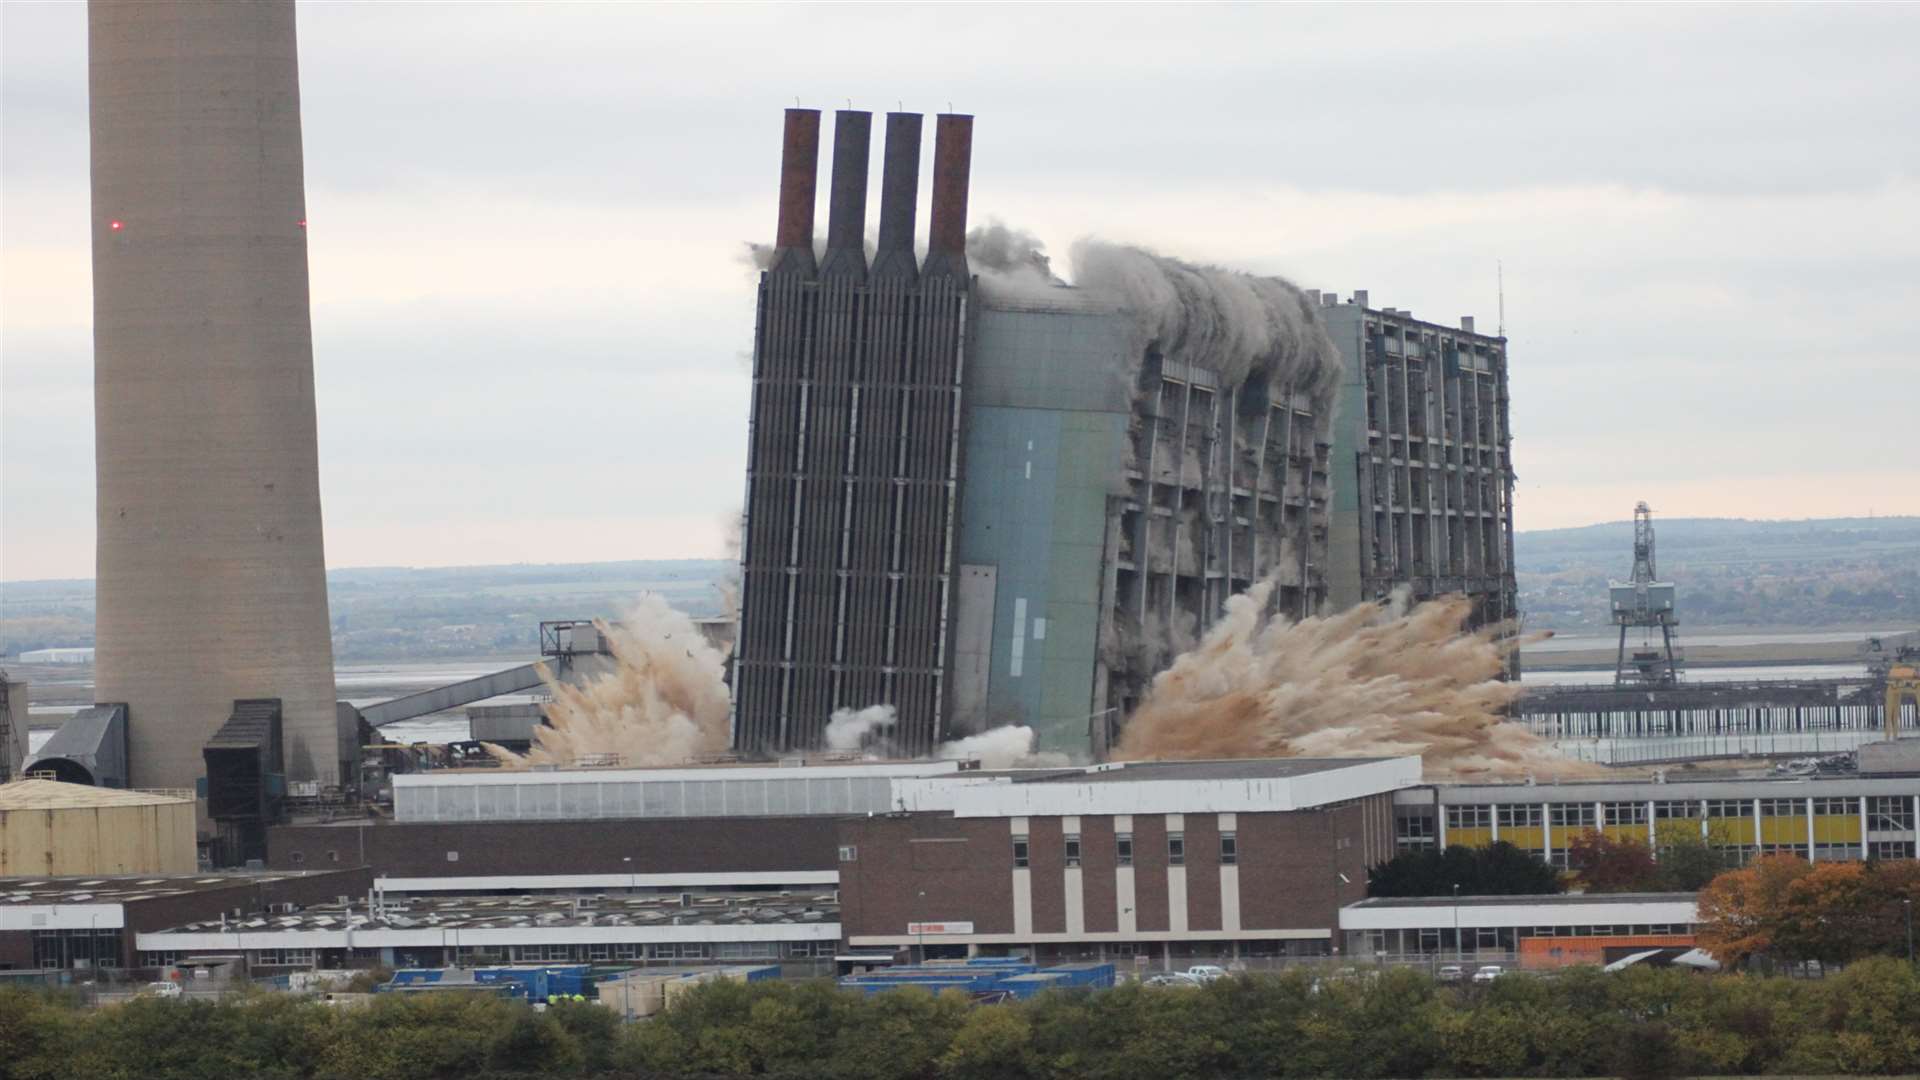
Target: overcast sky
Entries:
(530, 311)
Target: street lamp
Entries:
(920, 924)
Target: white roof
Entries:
(1252, 786)
(1496, 912)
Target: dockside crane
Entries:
(1646, 603)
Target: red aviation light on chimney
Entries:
(303, 223)
(116, 224)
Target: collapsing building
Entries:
(999, 500)
(1138, 449)
(1010, 506)
(853, 452)
(1423, 470)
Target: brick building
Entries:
(524, 854)
(1156, 860)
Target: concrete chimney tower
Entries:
(211, 577)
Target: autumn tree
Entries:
(1741, 910)
(1833, 912)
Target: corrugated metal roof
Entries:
(54, 795)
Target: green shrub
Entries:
(1647, 1052)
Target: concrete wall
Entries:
(1046, 427)
(63, 841)
(210, 570)
(1344, 586)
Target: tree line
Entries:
(1394, 1023)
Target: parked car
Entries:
(1171, 978)
(161, 989)
(1206, 973)
(1451, 973)
(1489, 973)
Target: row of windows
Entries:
(1500, 938)
(538, 954)
(76, 948)
(1884, 812)
(1123, 849)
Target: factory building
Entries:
(854, 442)
(211, 584)
(1529, 932)
(414, 931)
(1818, 818)
(1168, 860)
(724, 827)
(95, 921)
(1422, 461)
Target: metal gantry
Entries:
(1643, 602)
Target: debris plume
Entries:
(664, 701)
(1375, 680)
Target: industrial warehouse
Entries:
(1163, 863)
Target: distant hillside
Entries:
(405, 613)
(1849, 573)
(1844, 573)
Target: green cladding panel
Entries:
(1046, 441)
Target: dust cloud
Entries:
(1371, 681)
(850, 729)
(1005, 747)
(1240, 325)
(664, 702)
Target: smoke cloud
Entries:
(1371, 681)
(665, 701)
(1237, 324)
(755, 256)
(849, 729)
(1012, 265)
(999, 248)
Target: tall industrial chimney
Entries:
(847, 201)
(211, 576)
(799, 172)
(952, 167)
(899, 191)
